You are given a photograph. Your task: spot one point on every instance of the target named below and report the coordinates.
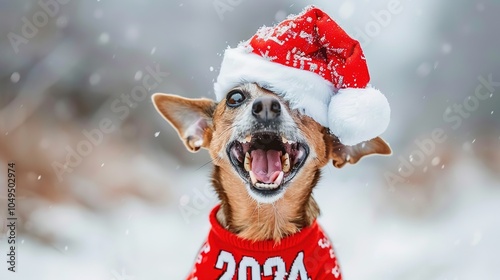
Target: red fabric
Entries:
(313, 41)
(305, 255)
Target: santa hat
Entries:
(314, 65)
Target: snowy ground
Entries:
(138, 241)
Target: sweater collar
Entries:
(232, 239)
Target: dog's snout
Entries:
(266, 108)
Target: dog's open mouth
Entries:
(267, 160)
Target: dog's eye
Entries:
(235, 98)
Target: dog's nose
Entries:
(266, 108)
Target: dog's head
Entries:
(260, 145)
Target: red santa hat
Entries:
(313, 64)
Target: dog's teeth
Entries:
(252, 177)
(285, 162)
(247, 139)
(247, 163)
(279, 179)
(266, 186)
(300, 154)
(285, 141)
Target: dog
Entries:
(267, 154)
(256, 205)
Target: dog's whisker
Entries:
(205, 164)
(228, 129)
(216, 161)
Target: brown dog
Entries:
(250, 121)
(289, 100)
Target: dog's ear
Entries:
(192, 118)
(342, 154)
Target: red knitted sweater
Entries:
(307, 254)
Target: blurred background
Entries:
(105, 189)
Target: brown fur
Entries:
(239, 212)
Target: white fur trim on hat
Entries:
(304, 90)
(358, 114)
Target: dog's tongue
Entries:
(266, 165)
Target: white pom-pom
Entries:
(358, 114)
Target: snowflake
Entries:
(267, 57)
(307, 36)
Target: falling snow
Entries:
(435, 161)
(94, 79)
(157, 133)
(138, 75)
(103, 38)
(15, 77)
